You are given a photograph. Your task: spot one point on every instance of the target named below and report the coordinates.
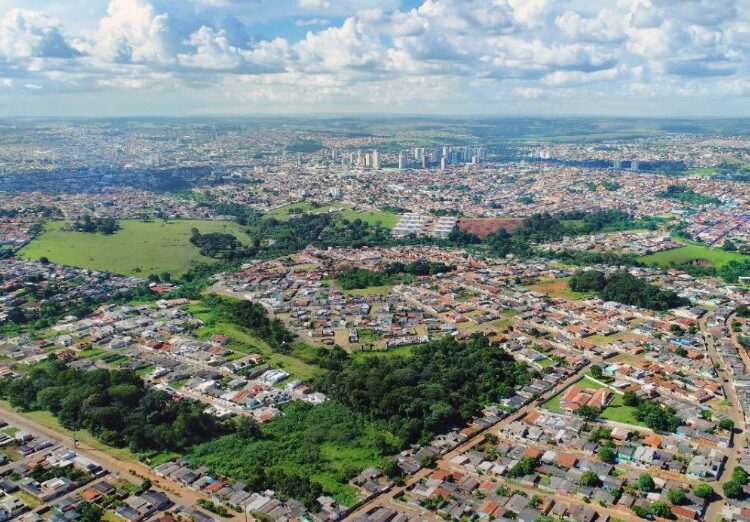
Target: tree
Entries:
(732, 489)
(630, 399)
(590, 280)
(740, 475)
(676, 496)
(588, 412)
(523, 467)
(660, 509)
(645, 483)
(590, 479)
(606, 454)
(703, 491)
(44, 260)
(676, 329)
(596, 371)
(248, 429)
(726, 424)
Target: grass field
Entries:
(615, 411)
(245, 342)
(400, 351)
(139, 249)
(559, 288)
(386, 219)
(687, 253)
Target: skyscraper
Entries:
(401, 160)
(376, 159)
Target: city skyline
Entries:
(441, 57)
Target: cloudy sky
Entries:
(490, 57)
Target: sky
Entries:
(97, 58)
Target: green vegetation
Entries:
(693, 252)
(545, 227)
(298, 362)
(216, 244)
(580, 257)
(107, 226)
(304, 453)
(700, 261)
(351, 278)
(655, 416)
(645, 483)
(254, 318)
(590, 479)
(703, 490)
(442, 385)
(523, 467)
(114, 406)
(734, 488)
(676, 496)
(685, 195)
(622, 287)
(618, 411)
(384, 217)
(139, 249)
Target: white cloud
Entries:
(29, 34)
(351, 46)
(478, 51)
(314, 4)
(604, 27)
(132, 31)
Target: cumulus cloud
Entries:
(29, 34)
(133, 31)
(376, 52)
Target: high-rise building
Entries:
(401, 160)
(359, 157)
(376, 159)
(442, 163)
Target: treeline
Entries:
(623, 287)
(443, 384)
(655, 416)
(350, 278)
(113, 405)
(584, 257)
(686, 195)
(45, 315)
(545, 227)
(105, 225)
(730, 272)
(255, 318)
(216, 244)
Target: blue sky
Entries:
(489, 57)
